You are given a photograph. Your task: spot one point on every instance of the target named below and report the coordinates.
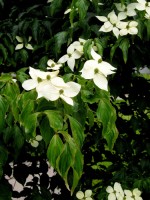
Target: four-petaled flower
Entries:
(21, 45)
(57, 88)
(37, 77)
(52, 65)
(143, 5)
(97, 70)
(35, 142)
(133, 195)
(128, 10)
(111, 22)
(84, 196)
(128, 28)
(116, 192)
(70, 57)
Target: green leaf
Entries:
(3, 110)
(64, 161)
(54, 149)
(28, 119)
(99, 46)
(55, 6)
(77, 131)
(35, 29)
(24, 55)
(55, 119)
(46, 131)
(11, 90)
(147, 23)
(87, 49)
(124, 46)
(59, 39)
(4, 52)
(107, 115)
(18, 138)
(82, 6)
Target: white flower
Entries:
(116, 192)
(147, 16)
(67, 11)
(128, 10)
(111, 22)
(70, 57)
(52, 65)
(128, 28)
(84, 196)
(21, 45)
(78, 45)
(49, 1)
(35, 142)
(133, 195)
(97, 70)
(57, 88)
(37, 76)
(143, 5)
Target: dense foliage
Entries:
(102, 135)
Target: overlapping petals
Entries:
(70, 57)
(97, 70)
(50, 86)
(84, 195)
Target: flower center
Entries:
(48, 77)
(61, 91)
(96, 71)
(69, 54)
(100, 60)
(81, 43)
(52, 65)
(39, 79)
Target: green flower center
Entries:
(96, 71)
(48, 77)
(69, 54)
(100, 60)
(52, 65)
(39, 79)
(61, 91)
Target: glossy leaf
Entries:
(55, 149)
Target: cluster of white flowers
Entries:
(84, 195)
(50, 86)
(35, 141)
(117, 193)
(114, 23)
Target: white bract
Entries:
(70, 57)
(78, 45)
(111, 22)
(52, 65)
(147, 15)
(128, 10)
(57, 88)
(128, 28)
(37, 76)
(116, 192)
(21, 45)
(143, 5)
(84, 195)
(35, 142)
(97, 69)
(133, 195)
